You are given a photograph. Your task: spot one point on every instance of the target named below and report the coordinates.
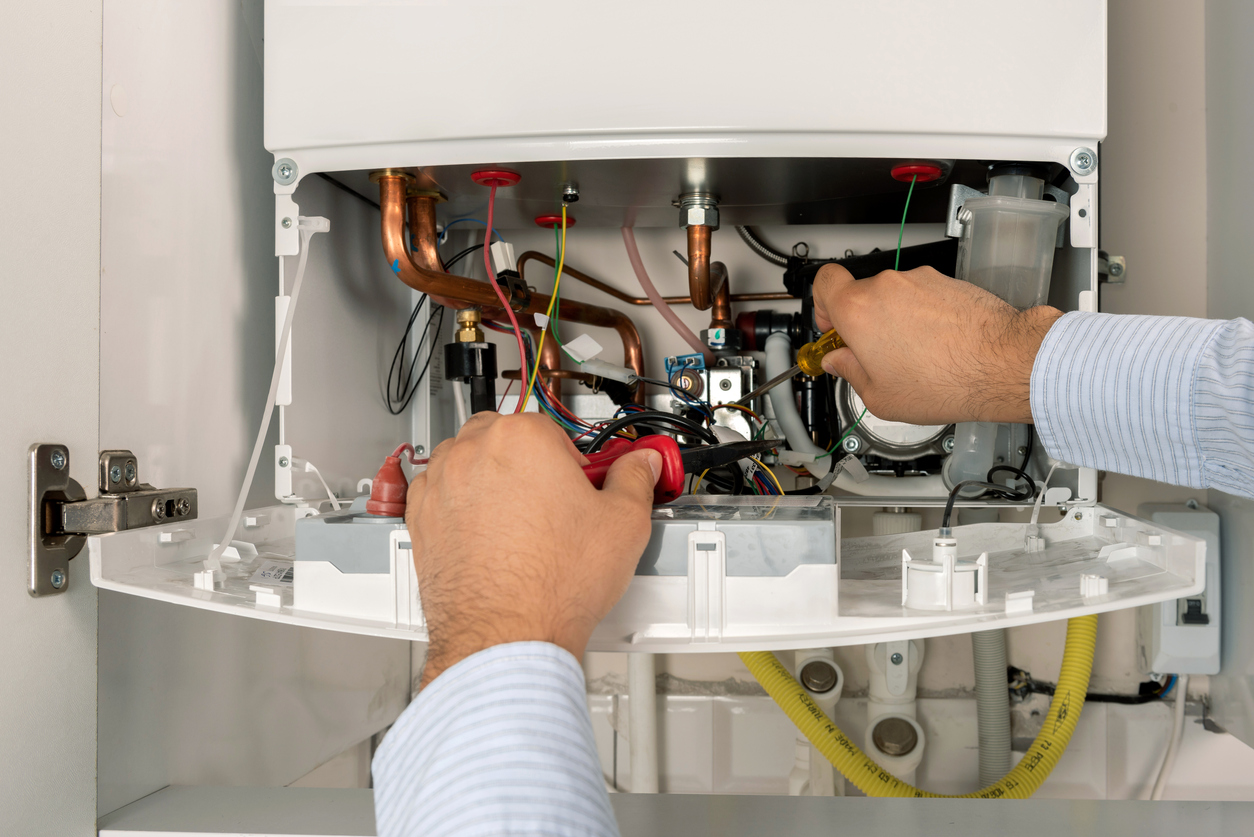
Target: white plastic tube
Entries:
(779, 358)
(308, 228)
(642, 695)
(633, 254)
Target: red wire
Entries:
(487, 263)
(503, 396)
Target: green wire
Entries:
(842, 438)
(902, 231)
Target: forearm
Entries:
(499, 743)
(1167, 398)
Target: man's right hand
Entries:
(927, 349)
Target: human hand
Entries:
(512, 542)
(927, 349)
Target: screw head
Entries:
(58, 459)
(853, 444)
(58, 579)
(183, 506)
(1022, 449)
(570, 193)
(819, 676)
(1079, 515)
(419, 449)
(130, 472)
(284, 171)
(725, 384)
(284, 462)
(1083, 161)
(1116, 269)
(115, 473)
(947, 444)
(287, 223)
(896, 659)
(158, 509)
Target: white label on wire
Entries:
(852, 466)
(274, 572)
(750, 470)
(542, 320)
(583, 348)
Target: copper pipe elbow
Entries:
(699, 266)
(720, 310)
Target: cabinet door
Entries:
(49, 339)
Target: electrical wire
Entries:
(652, 419)
(548, 314)
(769, 473)
(404, 391)
(495, 232)
(500, 294)
(461, 255)
(346, 188)
(842, 439)
(902, 231)
(999, 491)
(1177, 733)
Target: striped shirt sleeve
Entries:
(1167, 398)
(500, 743)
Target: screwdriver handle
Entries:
(810, 356)
(670, 483)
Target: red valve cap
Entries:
(388, 491)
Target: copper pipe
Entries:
(422, 231)
(560, 374)
(459, 291)
(534, 255)
(699, 266)
(720, 309)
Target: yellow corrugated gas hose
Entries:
(873, 780)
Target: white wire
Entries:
(311, 468)
(1177, 733)
(307, 231)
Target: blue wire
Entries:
(1170, 686)
(444, 234)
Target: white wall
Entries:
(49, 262)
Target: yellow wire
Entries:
(561, 259)
(698, 482)
(769, 473)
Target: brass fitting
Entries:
(468, 330)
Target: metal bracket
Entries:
(60, 515)
(1113, 270)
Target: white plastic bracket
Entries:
(707, 572)
(267, 596)
(286, 237)
(282, 472)
(897, 675)
(1083, 221)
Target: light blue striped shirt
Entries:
(1167, 398)
(501, 743)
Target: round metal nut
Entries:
(115, 473)
(895, 736)
(57, 579)
(696, 211)
(58, 459)
(852, 444)
(819, 676)
(1083, 161)
(284, 171)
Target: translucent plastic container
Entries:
(1007, 246)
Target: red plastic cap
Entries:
(388, 491)
(496, 177)
(552, 221)
(919, 172)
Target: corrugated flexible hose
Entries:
(992, 703)
(873, 780)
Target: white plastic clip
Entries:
(1092, 586)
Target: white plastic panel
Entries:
(674, 79)
(1141, 562)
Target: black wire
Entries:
(1027, 454)
(1022, 684)
(999, 491)
(684, 395)
(463, 254)
(654, 420)
(337, 184)
(405, 392)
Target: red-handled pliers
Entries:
(675, 462)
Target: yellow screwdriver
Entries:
(809, 361)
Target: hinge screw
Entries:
(130, 472)
(115, 473)
(284, 462)
(58, 459)
(896, 659)
(1083, 161)
(183, 506)
(287, 223)
(58, 579)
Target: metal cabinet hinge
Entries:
(1111, 270)
(61, 516)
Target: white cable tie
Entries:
(542, 320)
(583, 348)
